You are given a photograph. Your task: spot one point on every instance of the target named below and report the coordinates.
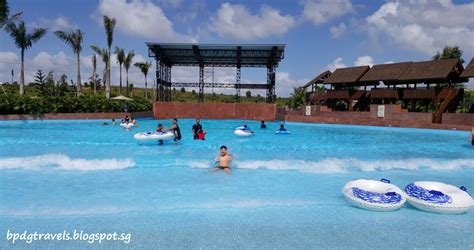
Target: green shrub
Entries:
(13, 104)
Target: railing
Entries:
(384, 93)
(419, 94)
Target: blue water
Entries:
(284, 191)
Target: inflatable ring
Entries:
(243, 133)
(374, 195)
(127, 125)
(282, 132)
(438, 197)
(154, 136)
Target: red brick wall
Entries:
(246, 111)
(458, 118)
(394, 112)
(76, 116)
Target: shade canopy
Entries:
(218, 55)
(122, 98)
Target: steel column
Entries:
(271, 84)
(201, 83)
(237, 84)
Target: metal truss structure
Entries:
(168, 55)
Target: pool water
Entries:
(284, 191)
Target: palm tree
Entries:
(104, 54)
(23, 41)
(109, 25)
(144, 66)
(120, 58)
(74, 40)
(127, 63)
(5, 11)
(94, 72)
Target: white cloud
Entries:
(236, 21)
(60, 23)
(285, 84)
(337, 63)
(141, 18)
(172, 3)
(364, 60)
(338, 31)
(322, 11)
(425, 26)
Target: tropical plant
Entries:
(109, 25)
(449, 53)
(120, 53)
(297, 98)
(4, 12)
(104, 54)
(127, 62)
(23, 40)
(144, 66)
(94, 72)
(74, 39)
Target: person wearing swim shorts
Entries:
(224, 159)
(176, 130)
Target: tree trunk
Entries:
(94, 81)
(126, 76)
(146, 89)
(120, 89)
(107, 79)
(78, 80)
(22, 73)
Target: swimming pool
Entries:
(284, 191)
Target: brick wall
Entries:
(458, 118)
(247, 111)
(77, 116)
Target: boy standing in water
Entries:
(224, 159)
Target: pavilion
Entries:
(405, 82)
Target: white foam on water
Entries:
(20, 212)
(340, 165)
(64, 162)
(241, 204)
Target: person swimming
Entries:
(113, 121)
(201, 134)
(472, 136)
(160, 129)
(282, 127)
(224, 159)
(263, 125)
(134, 121)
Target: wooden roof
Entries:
(469, 71)
(385, 72)
(432, 70)
(349, 75)
(318, 79)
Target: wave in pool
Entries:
(338, 165)
(64, 162)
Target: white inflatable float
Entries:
(374, 195)
(282, 132)
(438, 197)
(241, 131)
(154, 136)
(127, 125)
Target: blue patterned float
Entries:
(374, 195)
(438, 197)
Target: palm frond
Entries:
(109, 25)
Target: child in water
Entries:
(160, 129)
(201, 134)
(224, 159)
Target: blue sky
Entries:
(319, 34)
